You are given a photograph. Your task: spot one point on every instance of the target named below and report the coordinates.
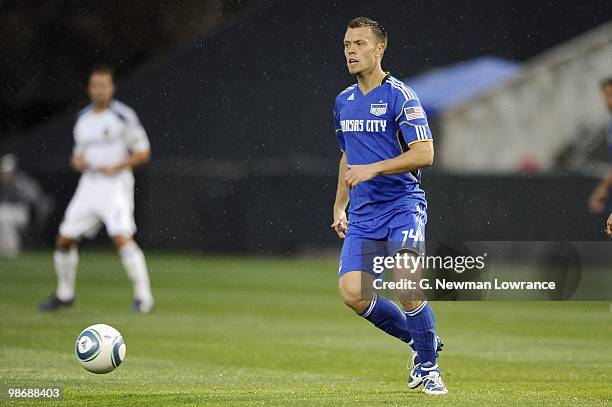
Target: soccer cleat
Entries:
(432, 380)
(139, 307)
(414, 380)
(53, 303)
(429, 375)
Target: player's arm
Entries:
(136, 159)
(420, 155)
(78, 162)
(138, 143)
(412, 122)
(597, 201)
(340, 223)
(342, 199)
(78, 157)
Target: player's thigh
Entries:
(118, 215)
(407, 231)
(356, 271)
(407, 238)
(80, 218)
(359, 252)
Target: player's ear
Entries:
(380, 50)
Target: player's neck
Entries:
(101, 107)
(370, 79)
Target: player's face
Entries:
(101, 89)
(360, 50)
(607, 91)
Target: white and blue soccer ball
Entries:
(100, 348)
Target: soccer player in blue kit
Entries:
(385, 140)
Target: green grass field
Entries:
(266, 331)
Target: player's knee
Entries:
(354, 299)
(410, 304)
(64, 243)
(355, 291)
(410, 299)
(120, 241)
(356, 303)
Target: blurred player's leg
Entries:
(133, 261)
(65, 260)
(79, 220)
(118, 217)
(13, 219)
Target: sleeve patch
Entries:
(415, 116)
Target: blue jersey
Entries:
(378, 126)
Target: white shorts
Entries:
(101, 199)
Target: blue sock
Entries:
(422, 326)
(388, 317)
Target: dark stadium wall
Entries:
(285, 214)
(263, 86)
(240, 125)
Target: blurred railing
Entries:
(527, 121)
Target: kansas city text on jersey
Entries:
(363, 125)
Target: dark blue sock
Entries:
(422, 326)
(388, 317)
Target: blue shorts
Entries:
(399, 229)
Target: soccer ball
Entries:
(100, 348)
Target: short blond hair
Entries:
(377, 28)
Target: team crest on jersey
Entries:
(378, 109)
(106, 135)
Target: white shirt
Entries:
(107, 138)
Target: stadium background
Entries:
(236, 99)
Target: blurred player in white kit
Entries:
(109, 142)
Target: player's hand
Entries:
(597, 202)
(356, 174)
(609, 225)
(107, 170)
(340, 224)
(78, 163)
(111, 170)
